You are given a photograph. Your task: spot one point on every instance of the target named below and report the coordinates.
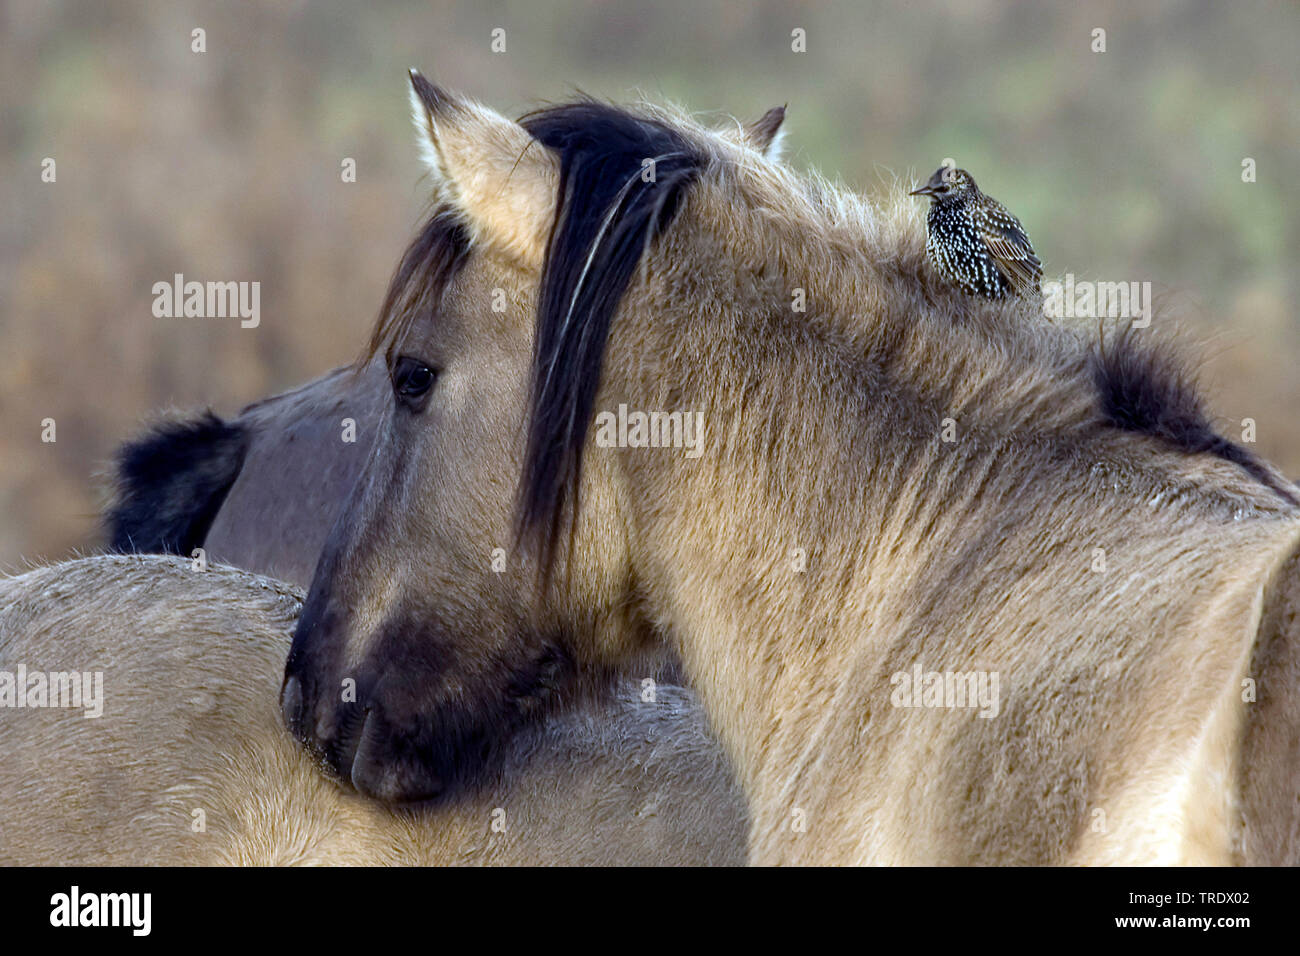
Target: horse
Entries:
(173, 752)
(258, 491)
(954, 583)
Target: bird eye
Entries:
(412, 380)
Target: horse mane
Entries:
(430, 262)
(1145, 388)
(170, 482)
(607, 214)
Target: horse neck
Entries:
(827, 532)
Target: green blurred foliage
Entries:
(225, 165)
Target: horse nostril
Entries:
(375, 773)
(291, 705)
(327, 725)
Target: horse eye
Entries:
(412, 379)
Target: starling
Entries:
(974, 242)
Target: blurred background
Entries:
(225, 165)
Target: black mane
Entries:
(606, 216)
(170, 484)
(1147, 389)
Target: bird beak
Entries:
(922, 191)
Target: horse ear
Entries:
(765, 135)
(489, 168)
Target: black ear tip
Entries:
(762, 132)
(435, 98)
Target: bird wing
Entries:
(1009, 245)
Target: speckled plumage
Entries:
(974, 242)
